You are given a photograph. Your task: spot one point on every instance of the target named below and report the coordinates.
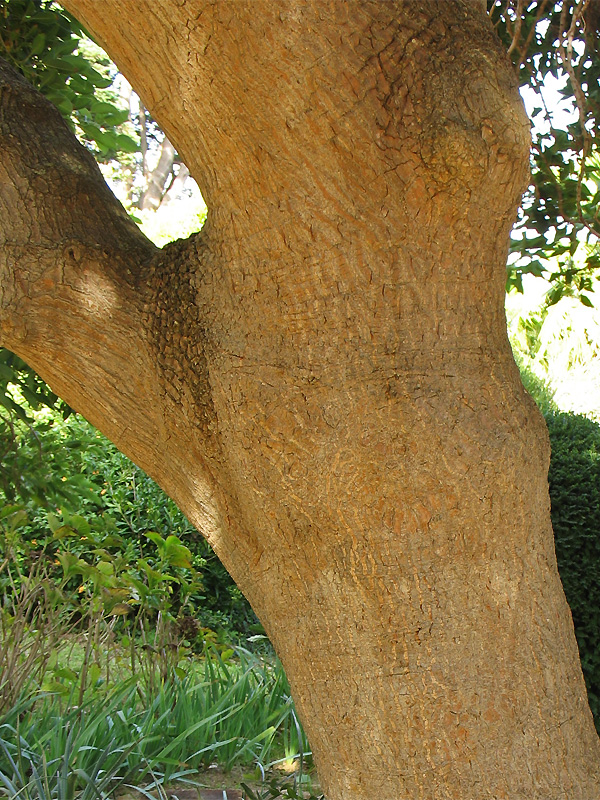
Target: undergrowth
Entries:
(238, 712)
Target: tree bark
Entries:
(322, 378)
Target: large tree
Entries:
(322, 378)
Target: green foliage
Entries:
(168, 224)
(31, 392)
(289, 789)
(101, 579)
(574, 479)
(49, 47)
(556, 42)
(109, 531)
(33, 620)
(574, 483)
(240, 711)
(79, 757)
(558, 350)
(536, 387)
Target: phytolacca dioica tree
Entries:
(322, 378)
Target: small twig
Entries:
(517, 28)
(525, 48)
(144, 141)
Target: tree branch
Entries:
(156, 180)
(113, 324)
(75, 275)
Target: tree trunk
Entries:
(156, 180)
(176, 187)
(322, 378)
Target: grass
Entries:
(236, 712)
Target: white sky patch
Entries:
(563, 110)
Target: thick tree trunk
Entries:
(322, 378)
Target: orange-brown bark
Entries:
(326, 381)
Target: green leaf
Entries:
(53, 521)
(156, 538)
(126, 143)
(6, 373)
(9, 404)
(177, 554)
(98, 80)
(65, 106)
(94, 673)
(554, 295)
(66, 673)
(64, 532)
(80, 524)
(78, 65)
(120, 609)
(535, 268)
(68, 562)
(17, 520)
(38, 44)
(153, 574)
(55, 687)
(8, 510)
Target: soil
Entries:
(212, 784)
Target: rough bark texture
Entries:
(322, 378)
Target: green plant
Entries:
(574, 484)
(34, 617)
(539, 389)
(574, 479)
(231, 710)
(250, 699)
(557, 232)
(85, 751)
(32, 777)
(78, 496)
(50, 48)
(287, 788)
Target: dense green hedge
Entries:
(574, 479)
(64, 487)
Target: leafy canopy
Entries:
(553, 46)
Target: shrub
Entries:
(72, 490)
(574, 479)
